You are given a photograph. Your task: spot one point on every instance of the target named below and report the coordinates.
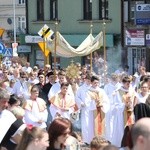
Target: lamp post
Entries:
(1, 34)
(14, 45)
(55, 59)
(14, 10)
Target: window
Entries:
(40, 10)
(103, 9)
(21, 1)
(87, 9)
(22, 23)
(54, 9)
(132, 9)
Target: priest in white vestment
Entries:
(124, 101)
(110, 89)
(84, 104)
(100, 106)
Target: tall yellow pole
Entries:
(55, 61)
(1, 34)
(91, 57)
(104, 46)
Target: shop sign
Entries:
(134, 37)
(142, 14)
(24, 49)
(33, 39)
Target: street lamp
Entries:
(14, 9)
(14, 45)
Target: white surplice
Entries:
(118, 108)
(84, 103)
(6, 120)
(34, 115)
(110, 89)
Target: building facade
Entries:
(135, 33)
(74, 18)
(11, 10)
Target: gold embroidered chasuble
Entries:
(128, 97)
(99, 116)
(63, 102)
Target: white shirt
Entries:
(6, 120)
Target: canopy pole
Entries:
(91, 57)
(55, 61)
(104, 46)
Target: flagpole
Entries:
(56, 23)
(104, 46)
(91, 57)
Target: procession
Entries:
(74, 75)
(76, 110)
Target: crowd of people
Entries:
(40, 108)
